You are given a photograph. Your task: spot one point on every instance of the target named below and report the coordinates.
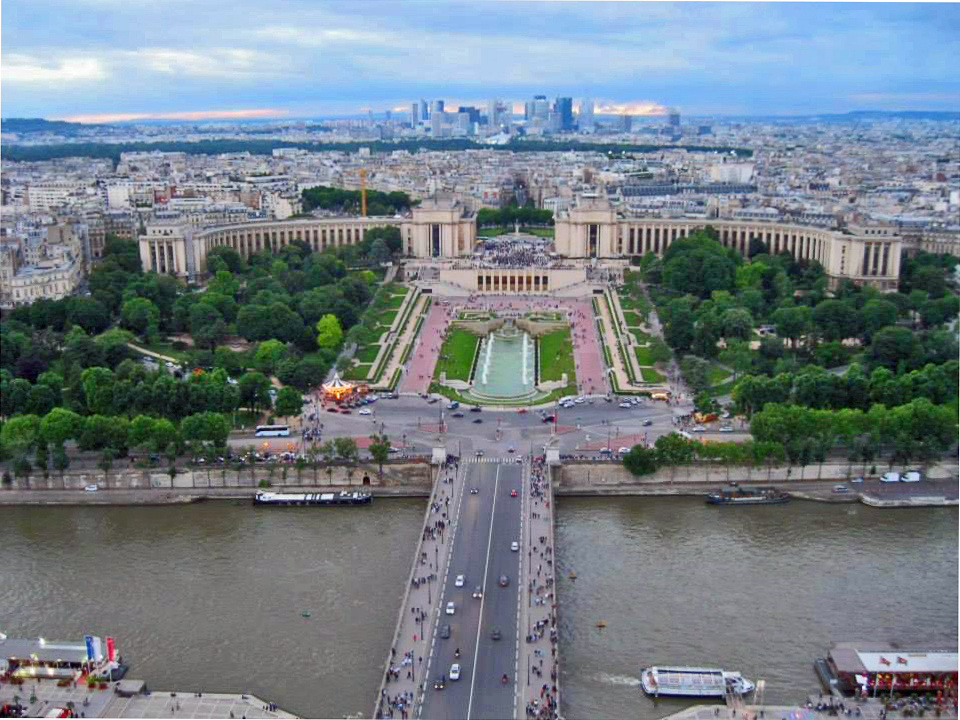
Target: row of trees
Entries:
(918, 430)
(487, 217)
(348, 201)
(673, 449)
(814, 387)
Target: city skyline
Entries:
(212, 61)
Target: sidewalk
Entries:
(404, 678)
(538, 662)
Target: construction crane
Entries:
(363, 192)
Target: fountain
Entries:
(506, 365)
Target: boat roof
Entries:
(861, 658)
(682, 669)
(45, 651)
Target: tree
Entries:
(695, 372)
(329, 332)
(835, 320)
(20, 434)
(268, 355)
(379, 450)
(345, 448)
(61, 461)
(98, 387)
(877, 314)
(105, 462)
(140, 315)
(141, 431)
(289, 402)
(379, 252)
(641, 460)
(254, 390)
(891, 346)
(60, 425)
(699, 265)
(211, 427)
(737, 323)
(792, 322)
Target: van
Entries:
(912, 476)
(890, 477)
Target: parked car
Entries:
(626, 405)
(890, 477)
(365, 411)
(911, 476)
(91, 488)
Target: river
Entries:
(764, 590)
(211, 596)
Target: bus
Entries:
(272, 431)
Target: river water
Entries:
(211, 596)
(763, 590)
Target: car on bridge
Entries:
(455, 671)
(515, 546)
(474, 491)
(495, 634)
(440, 683)
(513, 493)
(504, 580)
(459, 581)
(477, 593)
(445, 631)
(451, 608)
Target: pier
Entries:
(131, 699)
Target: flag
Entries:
(88, 641)
(901, 660)
(111, 649)
(884, 661)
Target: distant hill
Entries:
(39, 125)
(895, 114)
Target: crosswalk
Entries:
(512, 459)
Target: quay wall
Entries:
(139, 486)
(597, 477)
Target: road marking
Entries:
(486, 567)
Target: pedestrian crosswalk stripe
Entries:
(476, 460)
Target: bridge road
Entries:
(486, 526)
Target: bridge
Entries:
(492, 524)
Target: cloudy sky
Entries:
(301, 58)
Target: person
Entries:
(504, 679)
(457, 653)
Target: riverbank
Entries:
(182, 496)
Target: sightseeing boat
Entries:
(881, 668)
(693, 682)
(64, 661)
(340, 498)
(736, 495)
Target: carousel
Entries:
(339, 391)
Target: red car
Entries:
(522, 411)
(344, 411)
(513, 493)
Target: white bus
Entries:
(272, 431)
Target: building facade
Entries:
(864, 255)
(435, 229)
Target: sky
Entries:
(125, 59)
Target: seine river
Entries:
(211, 596)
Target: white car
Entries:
(626, 405)
(365, 411)
(91, 488)
(726, 428)
(515, 546)
(580, 400)
(623, 450)
(459, 581)
(455, 671)
(451, 608)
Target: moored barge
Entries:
(339, 498)
(736, 495)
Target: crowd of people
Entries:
(540, 589)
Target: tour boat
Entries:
(693, 682)
(340, 498)
(736, 495)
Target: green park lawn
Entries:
(556, 356)
(358, 372)
(395, 301)
(640, 335)
(650, 375)
(385, 318)
(717, 374)
(456, 355)
(644, 356)
(367, 353)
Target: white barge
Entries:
(693, 682)
(340, 498)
